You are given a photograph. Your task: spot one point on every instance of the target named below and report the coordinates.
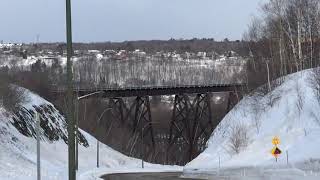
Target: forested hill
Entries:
(152, 46)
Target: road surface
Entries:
(144, 176)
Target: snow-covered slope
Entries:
(18, 146)
(291, 112)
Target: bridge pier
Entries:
(118, 109)
(179, 129)
(136, 117)
(143, 117)
(203, 124)
(191, 126)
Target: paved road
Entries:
(144, 176)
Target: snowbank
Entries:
(18, 152)
(290, 112)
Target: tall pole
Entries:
(98, 153)
(98, 122)
(70, 120)
(142, 159)
(38, 147)
(76, 133)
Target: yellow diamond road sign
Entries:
(275, 141)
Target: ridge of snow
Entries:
(298, 130)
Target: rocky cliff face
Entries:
(53, 124)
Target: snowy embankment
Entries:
(291, 112)
(18, 147)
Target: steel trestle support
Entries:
(191, 126)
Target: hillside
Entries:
(18, 146)
(290, 112)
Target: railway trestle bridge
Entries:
(191, 121)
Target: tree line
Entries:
(283, 40)
(153, 46)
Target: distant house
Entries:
(93, 52)
(212, 55)
(201, 55)
(49, 60)
(109, 53)
(138, 53)
(121, 55)
(158, 54)
(9, 46)
(189, 55)
(176, 56)
(76, 52)
(231, 54)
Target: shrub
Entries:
(11, 97)
(238, 139)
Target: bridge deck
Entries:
(150, 91)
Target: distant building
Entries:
(121, 55)
(140, 54)
(212, 55)
(201, 55)
(9, 46)
(231, 54)
(93, 52)
(109, 53)
(189, 55)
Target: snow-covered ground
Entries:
(290, 112)
(18, 152)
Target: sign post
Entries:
(275, 150)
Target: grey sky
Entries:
(118, 20)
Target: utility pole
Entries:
(98, 148)
(38, 147)
(76, 132)
(70, 120)
(142, 142)
(98, 152)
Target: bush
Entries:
(11, 97)
(238, 139)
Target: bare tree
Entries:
(238, 139)
(11, 96)
(287, 35)
(300, 98)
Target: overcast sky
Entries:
(119, 20)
